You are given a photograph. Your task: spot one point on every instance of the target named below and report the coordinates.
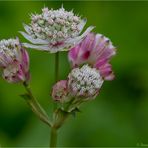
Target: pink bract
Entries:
(95, 50)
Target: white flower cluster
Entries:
(54, 30)
(84, 82)
(56, 25)
(9, 48)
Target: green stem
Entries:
(56, 66)
(36, 107)
(56, 74)
(53, 137)
(59, 117)
(53, 134)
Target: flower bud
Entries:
(14, 61)
(60, 91)
(84, 82)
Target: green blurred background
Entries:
(119, 115)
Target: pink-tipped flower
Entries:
(60, 91)
(95, 50)
(84, 82)
(14, 61)
(54, 30)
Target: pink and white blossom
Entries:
(84, 82)
(95, 50)
(54, 30)
(14, 61)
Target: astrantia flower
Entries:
(54, 30)
(95, 50)
(60, 91)
(14, 61)
(84, 82)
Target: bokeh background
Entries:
(119, 115)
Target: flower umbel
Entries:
(14, 61)
(84, 82)
(95, 50)
(54, 30)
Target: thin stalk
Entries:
(53, 137)
(56, 74)
(56, 66)
(36, 107)
(53, 134)
(58, 122)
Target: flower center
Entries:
(85, 81)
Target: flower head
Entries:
(84, 82)
(95, 50)
(54, 30)
(60, 91)
(14, 61)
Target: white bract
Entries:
(54, 30)
(84, 82)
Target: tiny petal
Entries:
(106, 71)
(81, 37)
(82, 24)
(32, 40)
(38, 47)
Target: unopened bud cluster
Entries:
(84, 82)
(54, 25)
(60, 92)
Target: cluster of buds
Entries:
(55, 24)
(84, 82)
(14, 61)
(54, 30)
(90, 67)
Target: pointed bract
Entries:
(95, 50)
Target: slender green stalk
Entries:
(56, 66)
(35, 106)
(53, 137)
(59, 118)
(53, 134)
(56, 73)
